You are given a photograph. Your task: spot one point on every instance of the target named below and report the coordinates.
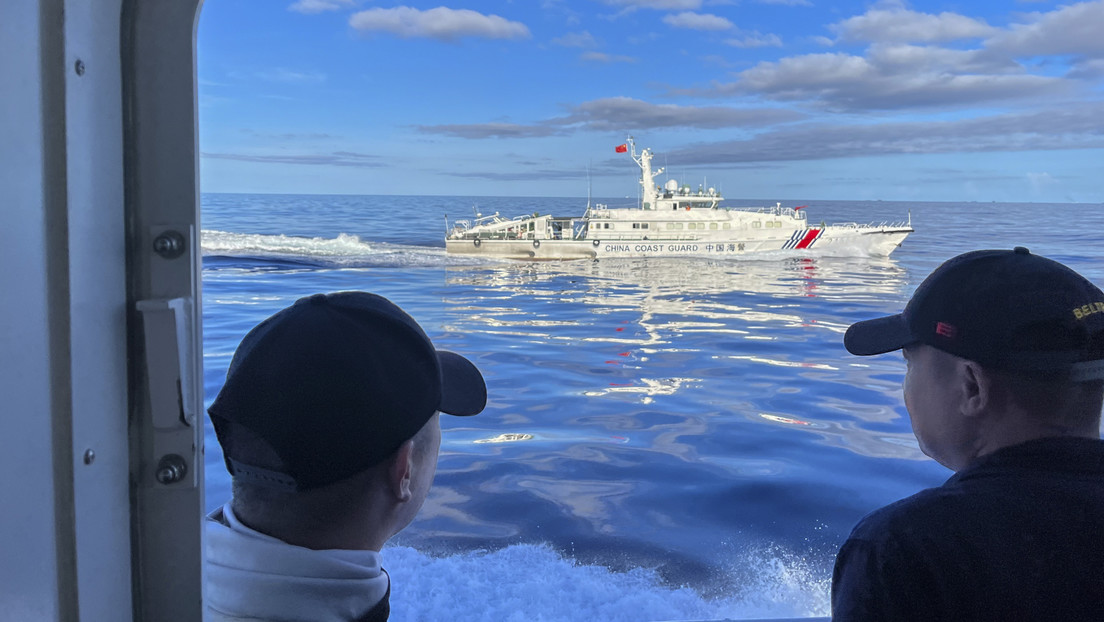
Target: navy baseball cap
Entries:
(331, 386)
(1005, 309)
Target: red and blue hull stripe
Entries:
(802, 238)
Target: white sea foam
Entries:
(345, 250)
(244, 244)
(526, 583)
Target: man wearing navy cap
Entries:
(329, 424)
(1004, 385)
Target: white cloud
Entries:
(601, 57)
(440, 23)
(619, 113)
(895, 23)
(1074, 127)
(663, 5)
(1023, 62)
(807, 72)
(576, 40)
(1073, 29)
(1088, 70)
(716, 59)
(1041, 182)
(319, 6)
(1068, 127)
(755, 40)
(904, 59)
(490, 130)
(697, 21)
(292, 76)
(787, 2)
(846, 82)
(337, 158)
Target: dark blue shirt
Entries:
(1017, 535)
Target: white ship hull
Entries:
(871, 241)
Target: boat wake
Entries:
(530, 578)
(343, 251)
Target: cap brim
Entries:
(878, 336)
(463, 391)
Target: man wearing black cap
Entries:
(329, 425)
(1005, 361)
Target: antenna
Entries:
(588, 186)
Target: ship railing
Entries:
(495, 219)
(860, 226)
(664, 237)
(771, 211)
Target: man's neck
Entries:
(351, 532)
(1010, 435)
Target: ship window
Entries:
(712, 225)
(670, 225)
(605, 225)
(778, 223)
(727, 225)
(756, 224)
(678, 225)
(644, 225)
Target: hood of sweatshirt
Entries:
(253, 576)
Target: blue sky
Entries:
(767, 99)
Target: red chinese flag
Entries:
(621, 148)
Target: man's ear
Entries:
(400, 471)
(977, 389)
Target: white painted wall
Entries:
(97, 306)
(29, 572)
(66, 520)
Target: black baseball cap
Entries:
(1005, 309)
(331, 386)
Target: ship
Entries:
(672, 220)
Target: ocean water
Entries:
(695, 441)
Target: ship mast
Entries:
(649, 192)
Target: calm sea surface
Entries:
(696, 441)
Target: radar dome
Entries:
(671, 185)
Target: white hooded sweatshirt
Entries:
(250, 576)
